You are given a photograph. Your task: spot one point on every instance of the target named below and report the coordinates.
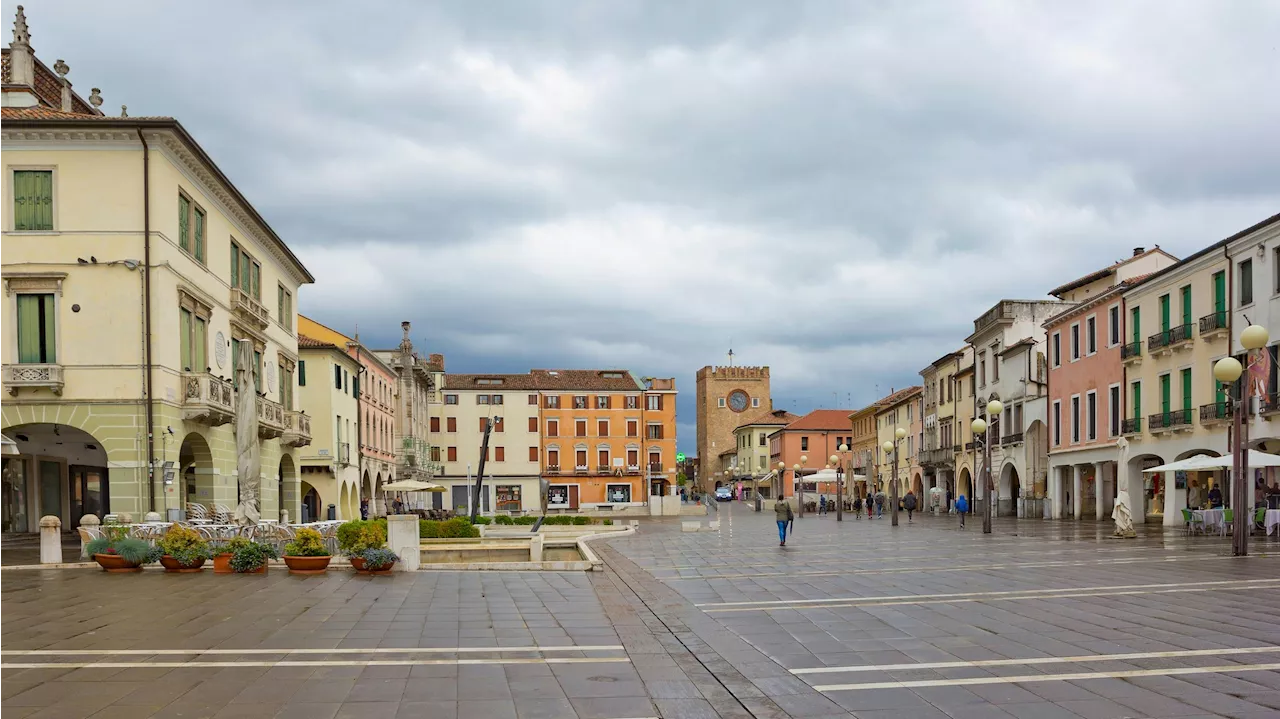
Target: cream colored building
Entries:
(1176, 325)
(900, 409)
(513, 468)
(330, 380)
(750, 466)
(132, 268)
(942, 434)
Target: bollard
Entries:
(535, 548)
(284, 517)
(86, 522)
(151, 517)
(124, 517)
(402, 538)
(50, 540)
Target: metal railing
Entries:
(1011, 438)
(1169, 420)
(1131, 426)
(1131, 350)
(344, 453)
(1213, 322)
(1216, 412)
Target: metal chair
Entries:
(222, 513)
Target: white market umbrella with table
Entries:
(1204, 462)
(412, 485)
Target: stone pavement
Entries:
(1039, 619)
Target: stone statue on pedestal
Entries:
(1123, 518)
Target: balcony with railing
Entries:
(1180, 336)
(970, 446)
(633, 469)
(33, 376)
(581, 469)
(552, 469)
(604, 469)
(270, 419)
(1131, 426)
(1216, 413)
(207, 399)
(1214, 325)
(1169, 421)
(297, 429)
(248, 309)
(1002, 312)
(1011, 438)
(1270, 404)
(1131, 352)
(941, 456)
(344, 454)
(1166, 341)
(656, 470)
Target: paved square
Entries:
(1038, 619)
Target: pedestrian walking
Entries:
(879, 504)
(782, 512)
(962, 508)
(822, 504)
(909, 504)
(364, 508)
(857, 507)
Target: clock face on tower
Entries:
(737, 400)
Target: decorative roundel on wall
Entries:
(738, 400)
(220, 350)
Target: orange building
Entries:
(607, 437)
(810, 441)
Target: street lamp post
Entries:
(1228, 370)
(840, 483)
(795, 469)
(983, 427)
(892, 446)
(780, 482)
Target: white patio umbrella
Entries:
(1205, 462)
(412, 485)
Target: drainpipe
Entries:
(146, 320)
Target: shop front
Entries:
(59, 470)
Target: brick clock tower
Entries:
(727, 397)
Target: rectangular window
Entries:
(633, 428)
(1275, 269)
(580, 428)
(1113, 326)
(451, 424)
(553, 458)
(1091, 415)
(452, 455)
(1164, 314)
(580, 402)
(337, 377)
(1055, 349)
(499, 425)
(763, 439)
(1136, 391)
(193, 342)
(1075, 420)
(755, 402)
(197, 236)
(618, 493)
(580, 459)
(1135, 326)
(302, 373)
(1113, 410)
(533, 454)
(235, 265)
(1091, 335)
(721, 403)
(553, 428)
(1186, 390)
(495, 399)
(653, 402)
(284, 309)
(553, 401)
(1075, 342)
(633, 402)
(482, 399)
(533, 400)
(33, 200)
(1246, 283)
(655, 431)
(451, 399)
(1165, 393)
(602, 401)
(36, 329)
(184, 222)
(1220, 294)
(633, 458)
(499, 454)
(435, 424)
(256, 288)
(804, 444)
(533, 424)
(603, 458)
(484, 423)
(602, 427)
(1185, 297)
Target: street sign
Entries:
(679, 456)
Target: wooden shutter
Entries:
(451, 424)
(484, 423)
(533, 424)
(602, 427)
(198, 245)
(453, 454)
(603, 456)
(33, 200)
(435, 424)
(580, 426)
(302, 373)
(184, 223)
(533, 454)
(500, 454)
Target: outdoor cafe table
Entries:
(1212, 518)
(1272, 520)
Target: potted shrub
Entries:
(251, 557)
(184, 550)
(223, 552)
(306, 554)
(116, 551)
(359, 535)
(374, 561)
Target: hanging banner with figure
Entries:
(1259, 372)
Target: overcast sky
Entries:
(834, 189)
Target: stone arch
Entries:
(1010, 490)
(47, 450)
(964, 485)
(1140, 497)
(366, 486)
(195, 471)
(344, 500)
(310, 504)
(917, 486)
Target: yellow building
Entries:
(899, 410)
(1177, 325)
(862, 453)
(751, 465)
(965, 407)
(329, 380)
(132, 270)
(942, 435)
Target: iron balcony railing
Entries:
(1169, 420)
(1271, 402)
(1213, 322)
(1011, 438)
(1128, 351)
(1216, 412)
(1131, 426)
(1171, 336)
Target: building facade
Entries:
(809, 441)
(725, 395)
(416, 389)
(753, 468)
(133, 269)
(942, 434)
(901, 409)
(329, 382)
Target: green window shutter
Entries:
(1137, 400)
(1186, 305)
(257, 282)
(1136, 321)
(235, 363)
(1220, 292)
(246, 273)
(257, 371)
(235, 265)
(36, 330)
(199, 236)
(33, 200)
(1164, 393)
(302, 373)
(355, 386)
(280, 304)
(185, 339)
(1186, 388)
(184, 223)
(1164, 313)
(201, 349)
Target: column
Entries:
(1077, 501)
(1099, 488)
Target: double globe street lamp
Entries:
(795, 469)
(1228, 371)
(835, 461)
(982, 428)
(892, 446)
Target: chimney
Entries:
(437, 359)
(22, 66)
(1138, 250)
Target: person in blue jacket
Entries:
(962, 507)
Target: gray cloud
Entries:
(836, 188)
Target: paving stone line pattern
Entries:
(820, 603)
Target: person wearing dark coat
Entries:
(909, 504)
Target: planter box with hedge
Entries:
(184, 550)
(306, 554)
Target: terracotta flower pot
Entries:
(359, 565)
(173, 565)
(259, 570)
(222, 564)
(116, 563)
(307, 565)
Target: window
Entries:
(286, 382)
(1275, 269)
(553, 458)
(302, 373)
(1091, 415)
(763, 439)
(1113, 409)
(1136, 388)
(453, 454)
(33, 200)
(191, 224)
(495, 399)
(982, 368)
(246, 273)
(533, 424)
(533, 453)
(1057, 423)
(1113, 325)
(533, 400)
(580, 459)
(345, 383)
(284, 307)
(552, 401)
(194, 335)
(499, 454)
(1091, 335)
(498, 425)
(633, 402)
(1075, 342)
(1075, 419)
(995, 363)
(553, 428)
(720, 403)
(602, 401)
(804, 444)
(451, 399)
(755, 402)
(435, 424)
(451, 424)
(655, 431)
(618, 493)
(337, 377)
(1186, 391)
(603, 459)
(1246, 283)
(633, 458)
(653, 402)
(37, 337)
(482, 399)
(580, 428)
(633, 428)
(602, 427)
(579, 402)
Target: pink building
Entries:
(815, 436)
(1086, 381)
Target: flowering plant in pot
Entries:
(374, 561)
(251, 557)
(116, 551)
(222, 553)
(184, 549)
(306, 554)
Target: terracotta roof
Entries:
(305, 342)
(469, 381)
(48, 113)
(1024, 342)
(1104, 272)
(819, 419)
(770, 417)
(616, 380)
(898, 397)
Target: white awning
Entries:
(1205, 462)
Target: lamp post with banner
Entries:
(1228, 371)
